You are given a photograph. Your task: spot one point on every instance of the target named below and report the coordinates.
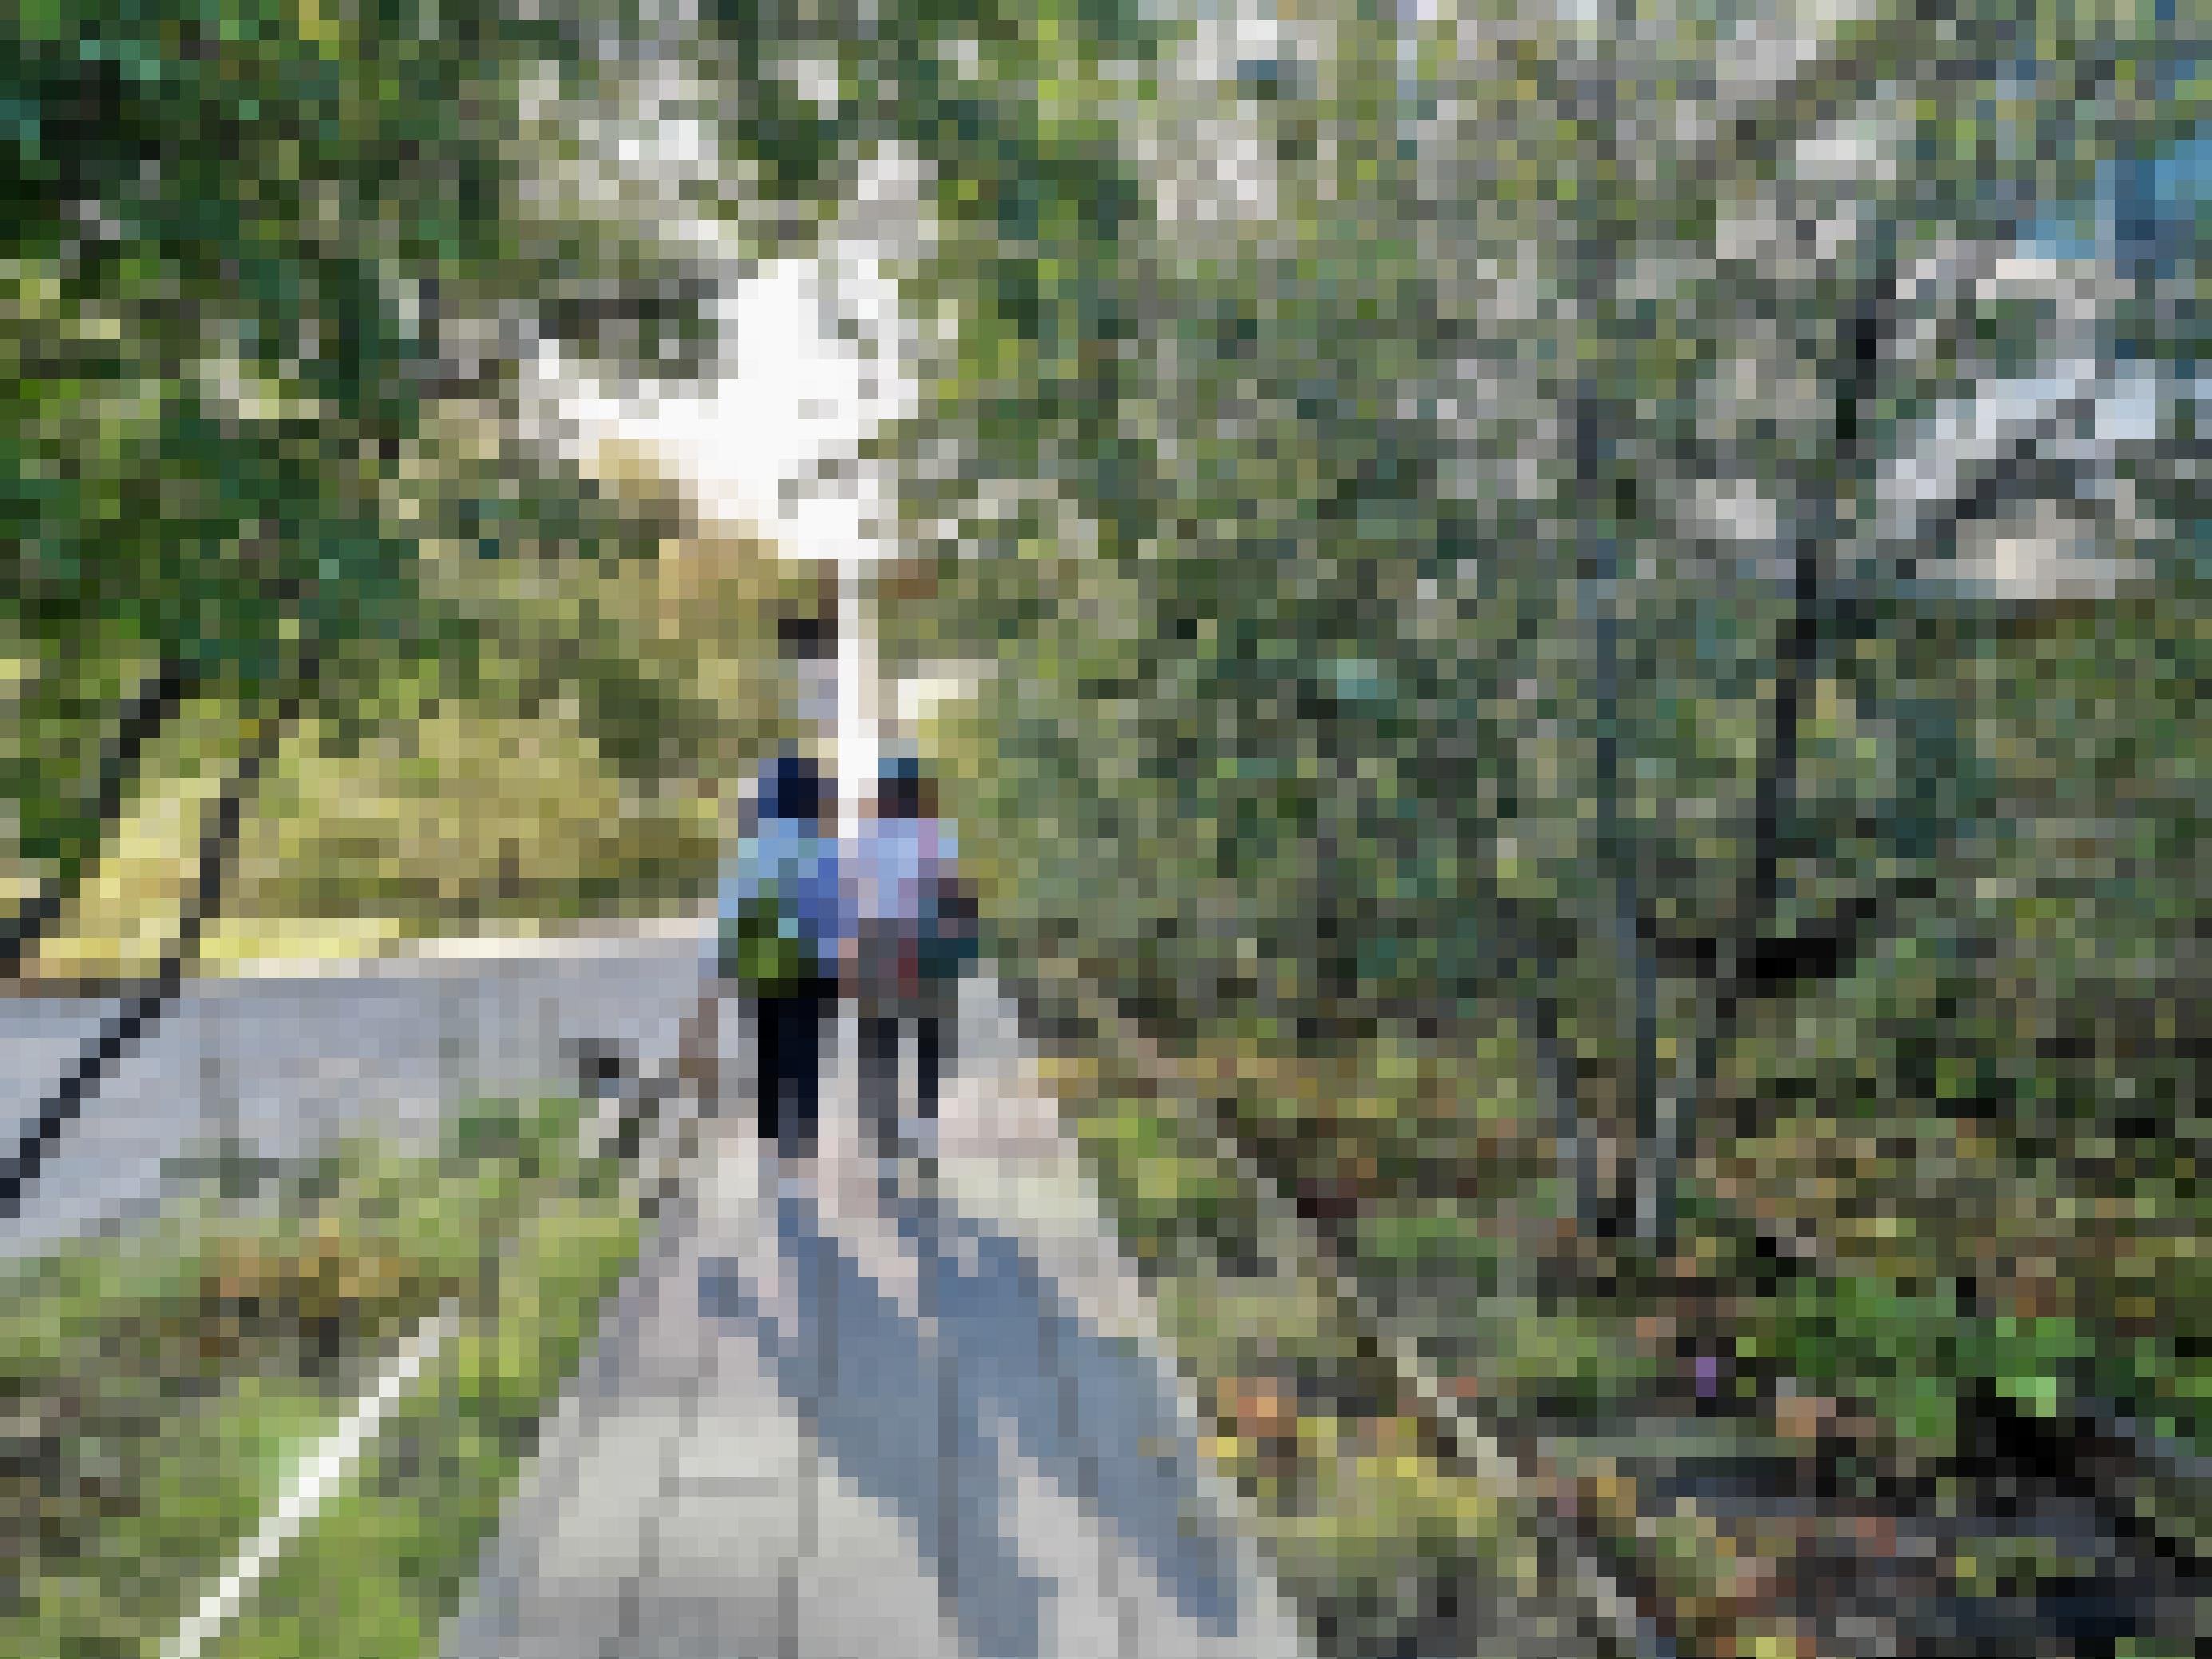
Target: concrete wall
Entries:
(283, 1060)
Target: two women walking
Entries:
(885, 920)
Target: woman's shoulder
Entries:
(780, 839)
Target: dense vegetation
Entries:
(1642, 577)
(1597, 613)
(159, 1391)
(271, 274)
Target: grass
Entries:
(162, 1389)
(1855, 1388)
(389, 1558)
(1448, 1214)
(1368, 1525)
(345, 855)
(595, 783)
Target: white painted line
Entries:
(311, 1485)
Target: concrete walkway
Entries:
(845, 1412)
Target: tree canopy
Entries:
(1668, 531)
(1639, 565)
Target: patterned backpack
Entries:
(763, 950)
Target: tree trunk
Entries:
(141, 1012)
(1752, 946)
(152, 709)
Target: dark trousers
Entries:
(790, 1041)
(879, 1057)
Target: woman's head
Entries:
(793, 788)
(903, 791)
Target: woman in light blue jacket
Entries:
(783, 925)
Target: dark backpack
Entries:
(950, 938)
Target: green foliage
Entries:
(161, 1389)
(385, 1563)
(1469, 520)
(261, 263)
(1469, 585)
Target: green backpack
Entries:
(762, 951)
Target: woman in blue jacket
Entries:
(781, 937)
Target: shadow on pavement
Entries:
(906, 1411)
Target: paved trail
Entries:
(855, 1415)
(867, 1421)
